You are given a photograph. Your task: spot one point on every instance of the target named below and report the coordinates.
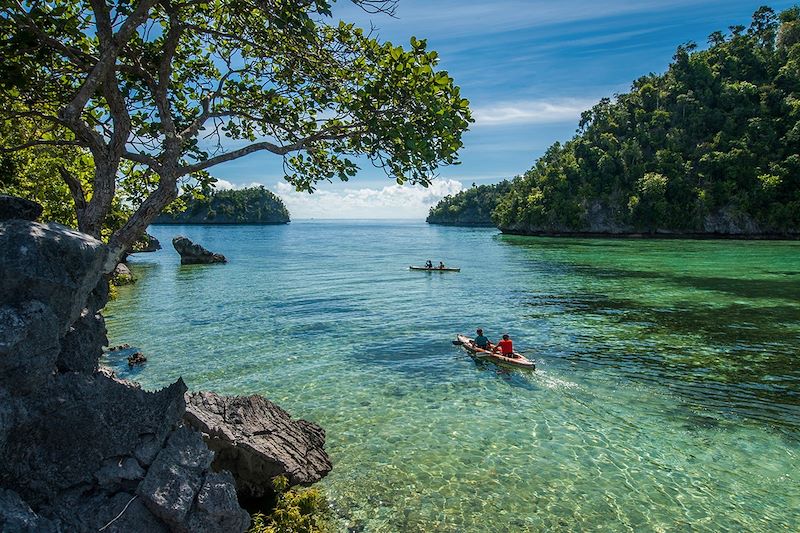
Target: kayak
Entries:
(520, 361)
(434, 269)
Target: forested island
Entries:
(253, 205)
(711, 147)
(471, 207)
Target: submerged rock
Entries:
(257, 440)
(14, 207)
(136, 359)
(192, 254)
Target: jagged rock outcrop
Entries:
(257, 441)
(194, 254)
(12, 207)
(146, 243)
(82, 450)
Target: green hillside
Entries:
(712, 146)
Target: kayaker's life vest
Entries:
(506, 347)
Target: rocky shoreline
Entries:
(85, 451)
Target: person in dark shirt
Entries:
(428, 264)
(481, 341)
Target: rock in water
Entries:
(193, 254)
(136, 359)
(13, 207)
(122, 275)
(256, 440)
(146, 243)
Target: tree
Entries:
(715, 137)
(144, 85)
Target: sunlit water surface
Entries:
(666, 396)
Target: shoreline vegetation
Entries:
(709, 149)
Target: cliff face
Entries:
(600, 220)
(84, 451)
(243, 206)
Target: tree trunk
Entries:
(123, 238)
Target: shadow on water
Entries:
(736, 358)
(741, 287)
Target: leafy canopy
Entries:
(717, 135)
(173, 87)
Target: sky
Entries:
(529, 68)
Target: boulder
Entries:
(12, 207)
(68, 433)
(17, 517)
(82, 346)
(181, 491)
(122, 275)
(49, 263)
(256, 441)
(192, 254)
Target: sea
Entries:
(666, 395)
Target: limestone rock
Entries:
(256, 441)
(146, 243)
(71, 430)
(49, 263)
(122, 275)
(181, 491)
(13, 207)
(192, 253)
(17, 517)
(217, 508)
(29, 346)
(81, 347)
(175, 477)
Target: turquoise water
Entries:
(666, 396)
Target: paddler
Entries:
(428, 264)
(506, 347)
(481, 341)
(441, 265)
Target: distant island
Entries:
(253, 205)
(470, 207)
(711, 148)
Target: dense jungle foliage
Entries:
(711, 146)
(471, 207)
(253, 205)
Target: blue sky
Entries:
(528, 68)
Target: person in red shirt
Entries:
(506, 347)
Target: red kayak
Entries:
(520, 361)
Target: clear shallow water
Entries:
(666, 398)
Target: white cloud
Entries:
(531, 112)
(224, 185)
(392, 201)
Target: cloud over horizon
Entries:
(392, 201)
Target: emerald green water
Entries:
(666, 396)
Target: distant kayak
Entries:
(520, 361)
(434, 269)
